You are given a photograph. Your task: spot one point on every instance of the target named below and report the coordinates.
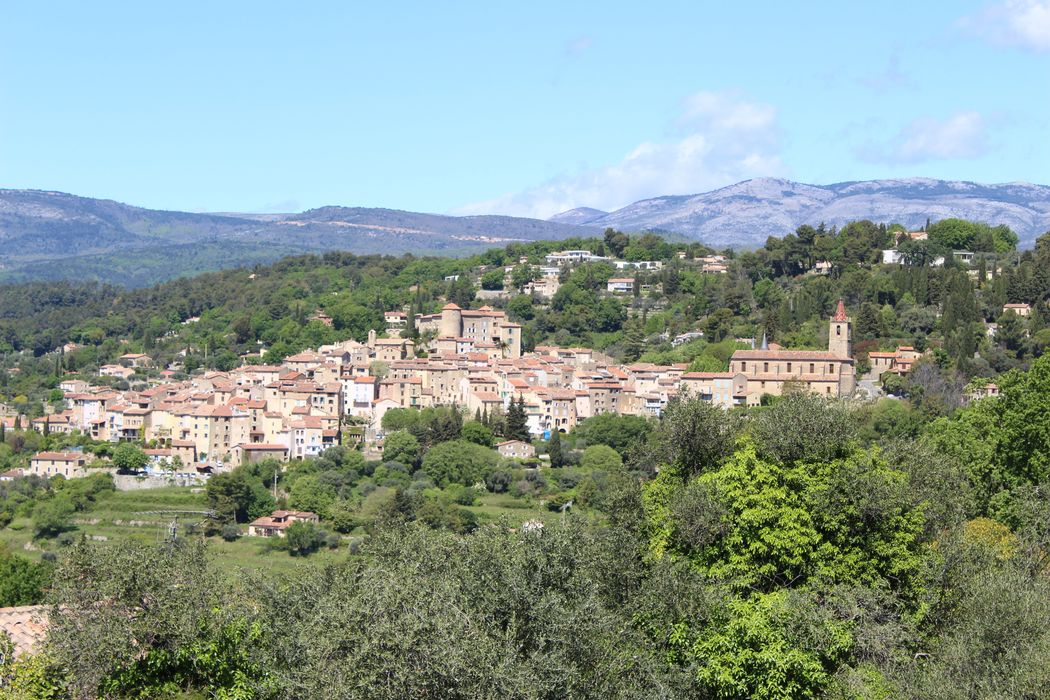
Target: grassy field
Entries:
(146, 515)
(494, 506)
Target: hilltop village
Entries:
(299, 408)
(474, 359)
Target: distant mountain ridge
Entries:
(52, 235)
(747, 213)
(581, 216)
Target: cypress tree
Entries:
(410, 323)
(554, 450)
(517, 420)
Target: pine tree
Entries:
(633, 341)
(554, 450)
(3, 432)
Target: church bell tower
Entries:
(840, 333)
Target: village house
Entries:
(516, 449)
(1023, 310)
(119, 371)
(136, 360)
(68, 464)
(620, 285)
(275, 524)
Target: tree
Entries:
(633, 341)
(616, 242)
(128, 457)
(311, 494)
(459, 462)
(53, 516)
(601, 458)
(517, 421)
(139, 620)
(22, 582)
(557, 459)
(623, 433)
(236, 500)
(523, 274)
(402, 446)
(492, 280)
(477, 433)
(411, 331)
(303, 538)
(694, 435)
(804, 427)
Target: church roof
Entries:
(840, 312)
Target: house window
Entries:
(812, 369)
(831, 369)
(743, 366)
(765, 366)
(789, 368)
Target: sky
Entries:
(509, 107)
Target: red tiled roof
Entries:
(840, 312)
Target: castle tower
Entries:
(840, 334)
(451, 322)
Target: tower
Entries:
(840, 334)
(451, 321)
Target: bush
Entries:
(499, 481)
(303, 539)
(462, 495)
(230, 532)
(521, 489)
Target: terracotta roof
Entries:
(25, 625)
(840, 312)
(707, 375)
(60, 456)
(822, 355)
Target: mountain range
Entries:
(52, 235)
(746, 213)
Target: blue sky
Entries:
(510, 107)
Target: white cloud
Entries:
(720, 138)
(1024, 23)
(963, 135)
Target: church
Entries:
(828, 373)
